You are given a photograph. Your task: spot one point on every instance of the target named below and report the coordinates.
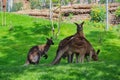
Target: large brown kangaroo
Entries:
(75, 44)
(36, 52)
(68, 39)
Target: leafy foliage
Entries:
(17, 6)
(97, 14)
(117, 0)
(43, 28)
(117, 12)
(35, 4)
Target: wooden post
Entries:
(107, 13)
(51, 18)
(1, 9)
(4, 12)
(4, 5)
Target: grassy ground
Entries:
(27, 31)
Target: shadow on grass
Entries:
(15, 45)
(91, 71)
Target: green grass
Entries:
(29, 31)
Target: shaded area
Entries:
(15, 44)
(91, 71)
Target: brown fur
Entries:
(66, 40)
(80, 45)
(36, 52)
(73, 47)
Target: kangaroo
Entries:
(36, 52)
(90, 49)
(91, 52)
(66, 40)
(72, 46)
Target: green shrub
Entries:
(102, 1)
(117, 12)
(117, 0)
(118, 31)
(41, 28)
(17, 6)
(35, 4)
(97, 14)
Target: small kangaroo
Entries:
(36, 52)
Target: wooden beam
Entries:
(4, 5)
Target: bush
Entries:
(117, 12)
(102, 1)
(41, 28)
(117, 0)
(17, 6)
(97, 14)
(118, 31)
(35, 4)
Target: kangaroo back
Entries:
(38, 51)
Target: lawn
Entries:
(22, 32)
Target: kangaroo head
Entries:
(79, 26)
(50, 41)
(95, 55)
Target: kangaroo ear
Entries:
(47, 38)
(98, 51)
(51, 38)
(76, 24)
(82, 23)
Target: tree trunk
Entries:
(10, 5)
(59, 23)
(51, 18)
